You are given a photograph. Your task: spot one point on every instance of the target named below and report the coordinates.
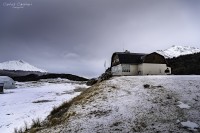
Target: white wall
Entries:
(141, 69)
(125, 69)
(116, 70)
(153, 69)
(134, 69)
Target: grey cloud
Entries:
(77, 36)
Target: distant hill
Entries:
(34, 77)
(185, 64)
(23, 71)
(176, 51)
(17, 73)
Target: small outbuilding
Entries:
(7, 82)
(1, 88)
(126, 63)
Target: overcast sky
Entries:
(77, 36)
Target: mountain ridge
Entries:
(177, 50)
(19, 65)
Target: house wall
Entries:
(153, 69)
(140, 69)
(125, 69)
(116, 70)
(134, 69)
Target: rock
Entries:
(105, 76)
(92, 81)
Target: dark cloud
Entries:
(77, 36)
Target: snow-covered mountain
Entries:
(176, 51)
(19, 65)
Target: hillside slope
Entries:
(185, 64)
(123, 104)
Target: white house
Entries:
(8, 83)
(126, 63)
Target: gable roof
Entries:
(128, 58)
(137, 58)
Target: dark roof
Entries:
(137, 58)
(129, 58)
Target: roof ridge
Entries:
(130, 53)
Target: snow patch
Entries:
(183, 105)
(190, 125)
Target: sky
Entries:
(78, 36)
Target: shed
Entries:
(1, 87)
(8, 83)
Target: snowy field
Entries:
(145, 104)
(32, 100)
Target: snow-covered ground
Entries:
(145, 104)
(31, 100)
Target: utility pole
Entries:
(105, 65)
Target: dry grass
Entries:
(25, 126)
(79, 89)
(36, 124)
(20, 130)
(61, 113)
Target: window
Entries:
(125, 70)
